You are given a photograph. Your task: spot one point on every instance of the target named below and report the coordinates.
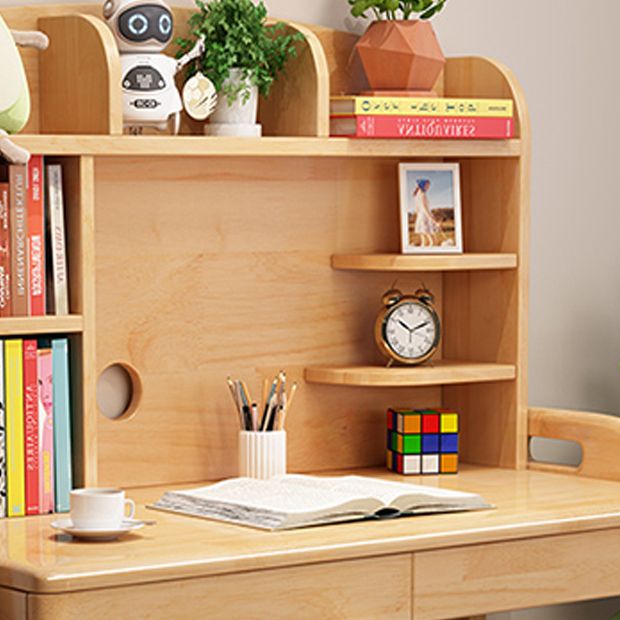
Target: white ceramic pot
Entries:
(238, 118)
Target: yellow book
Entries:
(421, 106)
(13, 381)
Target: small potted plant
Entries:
(400, 51)
(243, 56)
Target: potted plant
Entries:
(243, 56)
(400, 51)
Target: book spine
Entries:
(13, 382)
(434, 128)
(5, 256)
(36, 253)
(18, 227)
(31, 427)
(3, 470)
(421, 106)
(55, 204)
(62, 423)
(46, 429)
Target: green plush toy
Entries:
(14, 95)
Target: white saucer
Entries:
(66, 526)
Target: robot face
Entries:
(144, 22)
(139, 26)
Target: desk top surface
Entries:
(34, 558)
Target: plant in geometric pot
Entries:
(243, 56)
(400, 51)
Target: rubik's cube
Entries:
(423, 441)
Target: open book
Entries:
(294, 500)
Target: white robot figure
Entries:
(142, 31)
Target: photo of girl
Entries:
(430, 208)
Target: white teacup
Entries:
(99, 509)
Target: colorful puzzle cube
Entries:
(423, 441)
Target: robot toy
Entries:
(150, 96)
(14, 94)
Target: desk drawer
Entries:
(466, 581)
(351, 590)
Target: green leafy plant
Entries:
(396, 9)
(236, 36)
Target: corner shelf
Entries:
(33, 325)
(402, 262)
(443, 372)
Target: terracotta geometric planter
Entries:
(401, 55)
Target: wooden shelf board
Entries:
(444, 262)
(32, 325)
(441, 372)
(200, 146)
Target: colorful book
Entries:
(62, 423)
(58, 298)
(19, 240)
(422, 127)
(3, 472)
(5, 256)
(14, 394)
(36, 230)
(420, 106)
(31, 427)
(46, 428)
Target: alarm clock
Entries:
(408, 329)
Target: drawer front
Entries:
(465, 581)
(12, 605)
(351, 590)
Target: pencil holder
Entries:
(262, 454)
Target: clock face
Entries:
(410, 331)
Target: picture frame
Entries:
(430, 208)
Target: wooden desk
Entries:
(553, 538)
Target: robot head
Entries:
(139, 26)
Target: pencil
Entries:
(263, 421)
(233, 393)
(287, 405)
(254, 417)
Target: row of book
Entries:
(35, 427)
(421, 118)
(33, 265)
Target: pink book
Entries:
(46, 430)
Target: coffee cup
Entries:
(98, 509)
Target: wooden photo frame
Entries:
(430, 208)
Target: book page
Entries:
(386, 491)
(286, 494)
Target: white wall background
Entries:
(566, 55)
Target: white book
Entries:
(3, 471)
(292, 501)
(59, 297)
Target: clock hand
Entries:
(405, 325)
(420, 326)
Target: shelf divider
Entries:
(442, 372)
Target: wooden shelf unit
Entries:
(193, 258)
(409, 263)
(443, 372)
(199, 146)
(40, 325)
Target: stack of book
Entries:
(33, 265)
(421, 118)
(35, 427)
